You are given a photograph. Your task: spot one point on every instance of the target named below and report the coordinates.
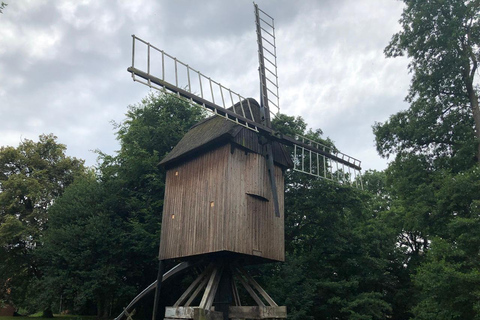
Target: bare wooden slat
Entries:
(211, 289)
(196, 292)
(194, 284)
(257, 287)
(250, 291)
(236, 297)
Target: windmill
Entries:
(223, 204)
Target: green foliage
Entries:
(32, 176)
(134, 181)
(442, 38)
(432, 183)
(3, 5)
(449, 278)
(104, 231)
(339, 254)
(84, 247)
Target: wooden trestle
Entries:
(221, 300)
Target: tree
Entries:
(449, 278)
(84, 252)
(442, 38)
(32, 176)
(339, 254)
(435, 143)
(135, 183)
(2, 6)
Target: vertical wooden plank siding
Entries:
(221, 201)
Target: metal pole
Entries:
(156, 303)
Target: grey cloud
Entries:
(331, 65)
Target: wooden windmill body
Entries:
(218, 197)
(224, 194)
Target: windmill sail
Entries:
(261, 24)
(267, 57)
(157, 69)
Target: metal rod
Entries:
(176, 73)
(163, 65)
(148, 58)
(221, 94)
(250, 109)
(324, 165)
(267, 23)
(188, 76)
(133, 51)
(156, 301)
(200, 82)
(211, 90)
(295, 156)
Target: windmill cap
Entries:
(215, 131)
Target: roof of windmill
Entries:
(215, 131)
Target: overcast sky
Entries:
(63, 64)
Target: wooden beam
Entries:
(202, 314)
(194, 285)
(236, 296)
(257, 287)
(250, 291)
(179, 312)
(196, 292)
(257, 312)
(211, 289)
(195, 313)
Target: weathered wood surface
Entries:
(221, 201)
(195, 313)
(257, 312)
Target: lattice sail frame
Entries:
(174, 74)
(178, 78)
(318, 165)
(268, 59)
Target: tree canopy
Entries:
(32, 176)
(442, 40)
(431, 182)
(115, 215)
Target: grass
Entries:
(37, 316)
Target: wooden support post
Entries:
(196, 292)
(194, 284)
(257, 287)
(250, 291)
(221, 300)
(211, 289)
(224, 296)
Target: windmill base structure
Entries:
(224, 190)
(221, 300)
(213, 295)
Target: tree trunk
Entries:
(99, 307)
(473, 97)
(48, 313)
